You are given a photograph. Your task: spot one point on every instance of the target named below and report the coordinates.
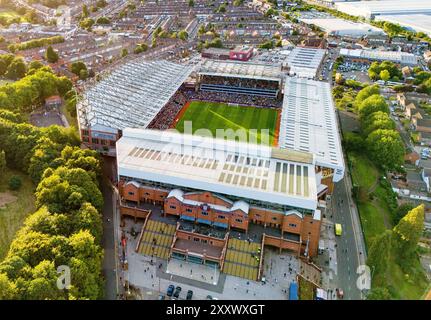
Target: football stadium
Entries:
(260, 124)
(224, 195)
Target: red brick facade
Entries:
(207, 206)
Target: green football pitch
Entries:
(213, 116)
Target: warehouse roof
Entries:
(394, 56)
(305, 62)
(227, 167)
(309, 123)
(132, 95)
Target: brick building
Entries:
(223, 184)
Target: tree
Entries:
(379, 252)
(377, 120)
(385, 75)
(339, 78)
(386, 148)
(67, 189)
(8, 290)
(124, 52)
(15, 183)
(33, 66)
(17, 69)
(372, 104)
(77, 66)
(50, 55)
(191, 3)
(409, 230)
(83, 74)
(103, 20)
(183, 35)
(2, 162)
(365, 93)
(379, 293)
(85, 12)
(402, 210)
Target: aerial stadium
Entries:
(162, 121)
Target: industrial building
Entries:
(305, 62)
(344, 28)
(368, 56)
(371, 9)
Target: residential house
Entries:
(421, 125)
(402, 100)
(409, 110)
(415, 182)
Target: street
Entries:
(108, 239)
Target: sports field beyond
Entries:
(213, 116)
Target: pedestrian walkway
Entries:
(199, 272)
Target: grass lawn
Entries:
(364, 172)
(14, 213)
(375, 219)
(213, 116)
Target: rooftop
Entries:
(241, 69)
(305, 61)
(132, 95)
(394, 56)
(309, 123)
(343, 27)
(226, 167)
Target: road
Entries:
(108, 239)
(350, 246)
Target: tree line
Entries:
(379, 136)
(66, 229)
(35, 43)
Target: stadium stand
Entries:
(157, 239)
(242, 259)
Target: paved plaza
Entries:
(153, 275)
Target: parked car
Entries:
(170, 290)
(161, 297)
(177, 291)
(189, 295)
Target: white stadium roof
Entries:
(403, 58)
(305, 62)
(227, 167)
(241, 70)
(132, 95)
(309, 123)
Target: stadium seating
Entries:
(157, 239)
(242, 259)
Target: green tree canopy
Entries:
(409, 230)
(371, 105)
(377, 120)
(386, 148)
(51, 55)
